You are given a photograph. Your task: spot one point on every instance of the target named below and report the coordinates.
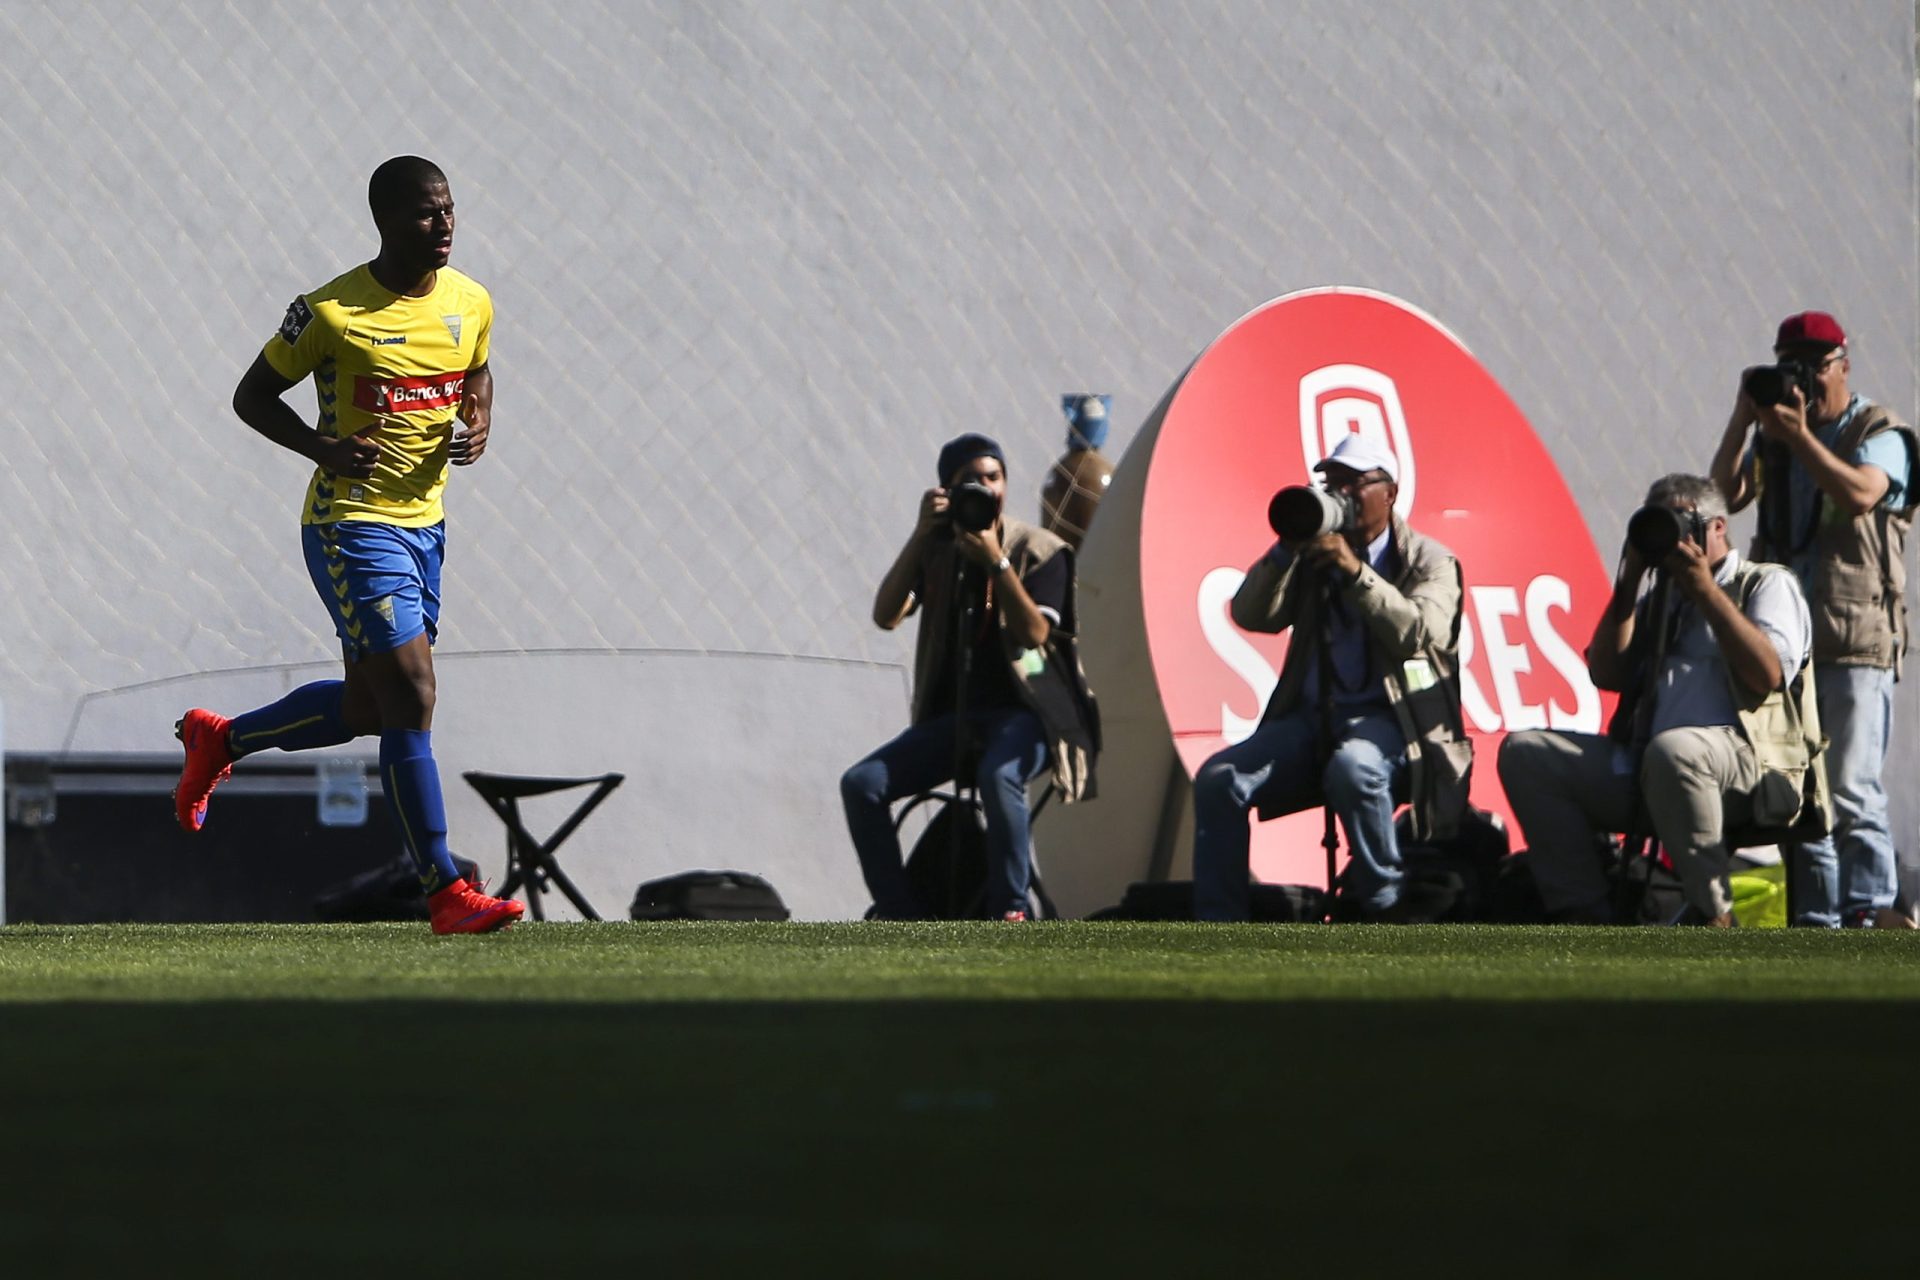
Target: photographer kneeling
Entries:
(1706, 736)
(1010, 688)
(1367, 710)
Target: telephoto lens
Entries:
(1656, 531)
(973, 507)
(1300, 513)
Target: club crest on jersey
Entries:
(453, 327)
(299, 316)
(405, 395)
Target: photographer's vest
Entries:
(1857, 590)
(1050, 680)
(1783, 728)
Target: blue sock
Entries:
(308, 717)
(411, 781)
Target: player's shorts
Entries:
(380, 582)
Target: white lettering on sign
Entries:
(1509, 654)
(1233, 648)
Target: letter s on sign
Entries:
(1216, 593)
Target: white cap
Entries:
(1359, 454)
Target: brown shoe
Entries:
(1889, 918)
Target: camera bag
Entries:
(708, 895)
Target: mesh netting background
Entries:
(752, 262)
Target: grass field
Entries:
(909, 1100)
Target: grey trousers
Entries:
(1564, 787)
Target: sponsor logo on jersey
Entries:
(394, 341)
(299, 316)
(406, 395)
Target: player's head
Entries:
(413, 210)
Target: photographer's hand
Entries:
(933, 514)
(982, 548)
(1786, 423)
(1688, 568)
(1332, 551)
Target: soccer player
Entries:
(397, 349)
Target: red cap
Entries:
(1810, 329)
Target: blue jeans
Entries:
(1853, 868)
(1012, 753)
(1284, 765)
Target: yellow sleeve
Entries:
(297, 349)
(485, 330)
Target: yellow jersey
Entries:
(382, 359)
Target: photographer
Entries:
(1012, 688)
(1367, 710)
(1704, 739)
(1833, 473)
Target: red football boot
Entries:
(208, 764)
(461, 908)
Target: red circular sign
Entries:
(1267, 400)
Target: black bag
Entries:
(1173, 900)
(949, 888)
(1450, 881)
(950, 883)
(708, 895)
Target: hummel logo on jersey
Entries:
(453, 327)
(403, 395)
(389, 342)
(299, 316)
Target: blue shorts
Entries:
(381, 582)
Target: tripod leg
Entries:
(1331, 842)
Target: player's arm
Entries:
(257, 401)
(476, 417)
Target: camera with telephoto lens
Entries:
(1771, 384)
(1656, 531)
(1300, 513)
(972, 506)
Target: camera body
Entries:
(972, 506)
(1300, 513)
(1771, 384)
(1655, 531)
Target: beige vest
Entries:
(1858, 591)
(1783, 728)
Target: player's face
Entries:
(420, 230)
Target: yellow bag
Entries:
(1760, 897)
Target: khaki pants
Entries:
(1564, 787)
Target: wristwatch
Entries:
(1002, 566)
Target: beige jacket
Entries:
(1413, 627)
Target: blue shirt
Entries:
(1357, 687)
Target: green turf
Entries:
(708, 962)
(954, 1099)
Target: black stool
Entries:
(530, 862)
